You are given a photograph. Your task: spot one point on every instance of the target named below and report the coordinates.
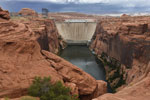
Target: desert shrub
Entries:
(43, 89)
(6, 98)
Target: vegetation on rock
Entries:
(114, 75)
(43, 89)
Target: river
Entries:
(82, 57)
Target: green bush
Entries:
(43, 89)
(6, 98)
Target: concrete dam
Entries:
(76, 31)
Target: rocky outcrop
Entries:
(23, 57)
(123, 45)
(20, 60)
(4, 14)
(137, 91)
(70, 73)
(101, 89)
(45, 32)
(28, 12)
(47, 35)
(73, 87)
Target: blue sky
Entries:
(85, 6)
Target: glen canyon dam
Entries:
(76, 30)
(74, 50)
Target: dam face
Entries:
(76, 31)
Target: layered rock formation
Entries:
(24, 56)
(28, 12)
(123, 44)
(45, 32)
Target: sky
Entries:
(96, 6)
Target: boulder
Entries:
(99, 91)
(73, 87)
(101, 88)
(4, 14)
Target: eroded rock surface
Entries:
(45, 32)
(20, 59)
(101, 89)
(137, 91)
(123, 44)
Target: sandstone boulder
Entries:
(100, 90)
(4, 14)
(73, 87)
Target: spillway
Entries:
(76, 31)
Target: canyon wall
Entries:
(24, 54)
(76, 32)
(123, 45)
(48, 36)
(45, 33)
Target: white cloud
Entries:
(126, 3)
(65, 1)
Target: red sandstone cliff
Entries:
(123, 44)
(45, 32)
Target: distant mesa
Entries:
(28, 12)
(125, 15)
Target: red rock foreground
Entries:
(123, 44)
(21, 59)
